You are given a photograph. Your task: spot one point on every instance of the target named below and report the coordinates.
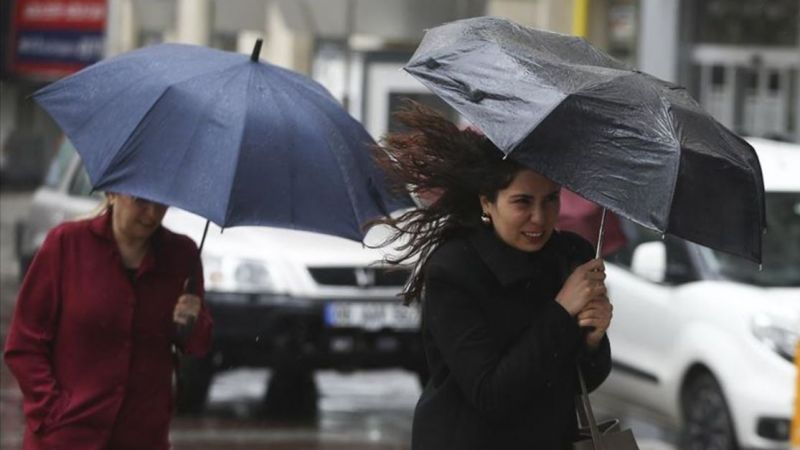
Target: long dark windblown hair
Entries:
(435, 158)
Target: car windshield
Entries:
(781, 249)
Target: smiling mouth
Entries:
(533, 235)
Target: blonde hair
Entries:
(99, 210)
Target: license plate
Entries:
(371, 315)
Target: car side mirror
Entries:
(650, 261)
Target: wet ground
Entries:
(361, 410)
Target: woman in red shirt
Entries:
(91, 339)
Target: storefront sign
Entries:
(53, 38)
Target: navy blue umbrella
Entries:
(220, 134)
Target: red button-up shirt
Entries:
(91, 349)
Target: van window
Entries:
(780, 252)
(60, 164)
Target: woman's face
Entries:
(135, 218)
(525, 213)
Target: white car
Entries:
(289, 300)
(705, 339)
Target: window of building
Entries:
(746, 22)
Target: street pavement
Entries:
(361, 410)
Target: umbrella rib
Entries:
(556, 105)
(675, 143)
(243, 131)
(133, 83)
(536, 124)
(111, 157)
(235, 73)
(348, 187)
(116, 156)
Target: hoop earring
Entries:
(486, 219)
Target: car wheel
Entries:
(707, 423)
(193, 384)
(291, 394)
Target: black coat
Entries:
(501, 351)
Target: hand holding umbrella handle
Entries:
(598, 253)
(183, 330)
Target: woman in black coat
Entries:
(505, 296)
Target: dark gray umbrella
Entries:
(637, 145)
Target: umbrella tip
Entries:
(256, 50)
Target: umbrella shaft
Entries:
(205, 232)
(600, 235)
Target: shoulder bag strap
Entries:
(584, 409)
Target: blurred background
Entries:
(739, 58)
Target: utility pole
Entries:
(580, 18)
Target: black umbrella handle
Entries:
(184, 330)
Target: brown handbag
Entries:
(598, 436)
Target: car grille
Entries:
(360, 276)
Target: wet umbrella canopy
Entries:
(628, 141)
(223, 135)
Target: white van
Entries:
(706, 340)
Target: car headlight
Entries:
(229, 274)
(780, 337)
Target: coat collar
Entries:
(507, 263)
(100, 226)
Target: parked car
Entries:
(290, 300)
(706, 340)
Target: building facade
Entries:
(739, 58)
